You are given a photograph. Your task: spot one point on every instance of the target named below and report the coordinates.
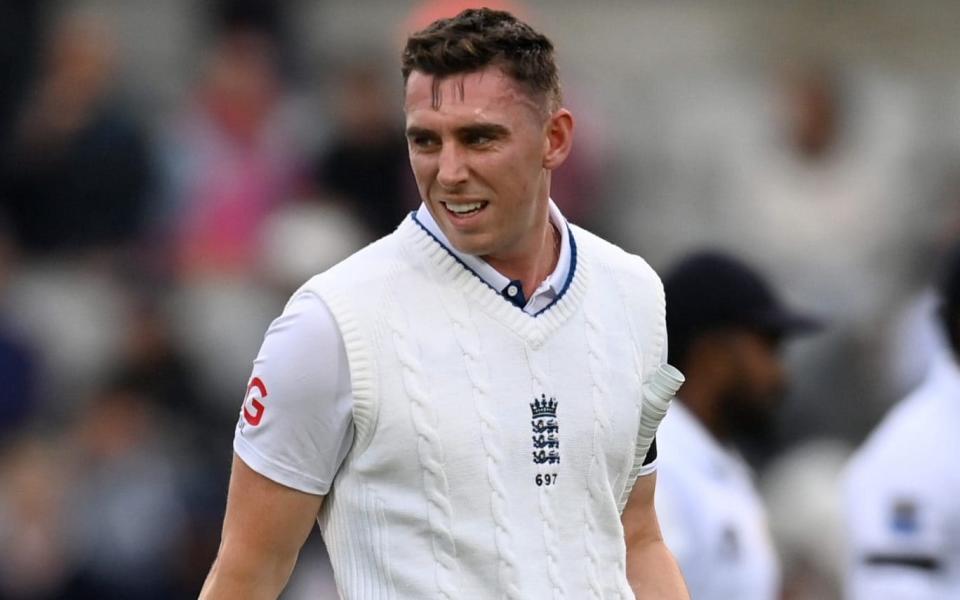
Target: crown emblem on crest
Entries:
(543, 408)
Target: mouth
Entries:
(464, 209)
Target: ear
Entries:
(558, 140)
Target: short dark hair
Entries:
(480, 37)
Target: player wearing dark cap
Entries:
(726, 326)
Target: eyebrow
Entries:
(484, 129)
(419, 131)
(490, 130)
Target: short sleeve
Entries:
(296, 422)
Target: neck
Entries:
(534, 266)
(703, 404)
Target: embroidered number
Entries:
(548, 479)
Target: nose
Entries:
(452, 168)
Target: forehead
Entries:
(486, 93)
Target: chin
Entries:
(467, 246)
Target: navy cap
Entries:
(709, 290)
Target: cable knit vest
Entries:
(491, 446)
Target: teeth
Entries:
(464, 208)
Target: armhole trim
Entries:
(363, 381)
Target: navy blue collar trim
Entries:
(563, 290)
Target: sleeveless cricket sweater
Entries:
(491, 446)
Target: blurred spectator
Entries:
(819, 175)
(231, 158)
(726, 326)
(219, 324)
(808, 175)
(18, 373)
(427, 11)
(902, 485)
(76, 320)
(19, 44)
(75, 175)
(126, 509)
(365, 165)
(18, 357)
(151, 362)
(306, 238)
(34, 520)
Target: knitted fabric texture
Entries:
(492, 446)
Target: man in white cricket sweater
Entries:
(458, 404)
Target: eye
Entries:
(478, 139)
(424, 142)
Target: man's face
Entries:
(757, 383)
(477, 149)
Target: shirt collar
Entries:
(699, 445)
(553, 283)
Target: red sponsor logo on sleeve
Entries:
(256, 391)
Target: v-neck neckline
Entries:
(535, 328)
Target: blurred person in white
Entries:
(815, 172)
(726, 327)
(824, 175)
(418, 397)
(902, 486)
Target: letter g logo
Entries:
(256, 391)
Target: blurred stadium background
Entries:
(171, 171)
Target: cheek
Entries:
(769, 373)
(758, 369)
(514, 173)
(424, 170)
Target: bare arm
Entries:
(264, 528)
(651, 568)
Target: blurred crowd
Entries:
(148, 237)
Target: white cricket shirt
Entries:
(711, 514)
(902, 497)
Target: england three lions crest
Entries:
(546, 431)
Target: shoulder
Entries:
(908, 447)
